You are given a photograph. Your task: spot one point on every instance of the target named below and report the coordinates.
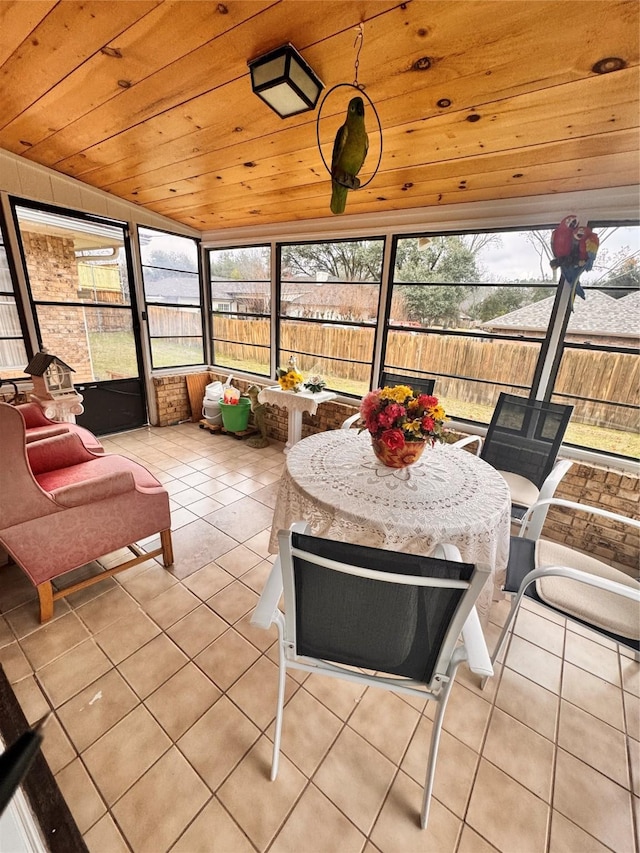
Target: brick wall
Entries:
(53, 275)
(589, 484)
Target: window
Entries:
(13, 355)
(599, 369)
(241, 313)
(172, 293)
(78, 280)
(329, 295)
(465, 309)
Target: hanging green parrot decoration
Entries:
(349, 152)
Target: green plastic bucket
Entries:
(235, 416)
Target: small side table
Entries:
(296, 404)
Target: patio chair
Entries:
(61, 507)
(579, 586)
(399, 616)
(522, 443)
(422, 385)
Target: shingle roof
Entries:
(597, 315)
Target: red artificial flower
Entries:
(393, 438)
(428, 424)
(427, 401)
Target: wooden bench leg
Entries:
(167, 547)
(45, 595)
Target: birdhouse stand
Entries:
(53, 387)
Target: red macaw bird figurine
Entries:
(574, 248)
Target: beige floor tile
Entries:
(630, 675)
(455, 767)
(126, 636)
(527, 702)
(256, 577)
(106, 609)
(149, 584)
(31, 698)
(521, 753)
(398, 826)
(262, 639)
(190, 496)
(207, 581)
(197, 630)
(152, 814)
(259, 543)
(196, 545)
(540, 631)
(593, 657)
(594, 742)
(80, 794)
(56, 746)
(356, 778)
(308, 730)
(593, 694)
(6, 634)
(341, 697)
(228, 496)
(593, 802)
(631, 714)
(73, 671)
(466, 717)
(96, 709)
(125, 752)
(172, 605)
(213, 831)
(182, 700)
(505, 813)
(315, 817)
(104, 837)
(256, 692)
(25, 619)
(152, 665)
(471, 842)
(232, 602)
(218, 741)
(385, 721)
(238, 561)
(53, 640)
(227, 658)
(263, 812)
(566, 837)
(534, 663)
(14, 663)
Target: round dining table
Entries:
(333, 481)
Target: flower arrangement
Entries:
(395, 416)
(290, 378)
(315, 384)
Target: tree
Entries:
(440, 265)
(353, 260)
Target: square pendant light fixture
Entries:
(285, 82)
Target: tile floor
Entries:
(164, 700)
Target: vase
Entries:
(400, 457)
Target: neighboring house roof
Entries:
(597, 315)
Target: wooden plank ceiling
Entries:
(152, 101)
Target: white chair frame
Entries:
(465, 623)
(531, 529)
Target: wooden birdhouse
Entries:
(51, 377)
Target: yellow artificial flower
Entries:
(398, 394)
(413, 426)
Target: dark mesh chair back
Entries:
(362, 622)
(524, 436)
(420, 385)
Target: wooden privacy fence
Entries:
(486, 366)
(494, 365)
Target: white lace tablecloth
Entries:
(333, 481)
